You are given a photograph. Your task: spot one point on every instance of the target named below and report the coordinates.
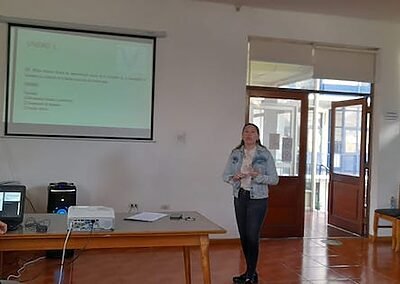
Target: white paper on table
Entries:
(146, 216)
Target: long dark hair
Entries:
(258, 142)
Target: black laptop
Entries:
(12, 199)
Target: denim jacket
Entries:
(263, 162)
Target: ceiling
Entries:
(382, 10)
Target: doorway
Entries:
(280, 127)
(337, 166)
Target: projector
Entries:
(90, 218)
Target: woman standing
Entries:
(250, 169)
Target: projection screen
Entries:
(72, 83)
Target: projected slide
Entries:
(68, 83)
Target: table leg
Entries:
(205, 259)
(376, 223)
(186, 257)
(1, 263)
(71, 272)
(397, 235)
(394, 234)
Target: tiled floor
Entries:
(315, 226)
(317, 258)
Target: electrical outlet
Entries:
(133, 207)
(165, 207)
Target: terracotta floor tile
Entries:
(320, 273)
(335, 260)
(352, 272)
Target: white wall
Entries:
(200, 94)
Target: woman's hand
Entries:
(239, 176)
(253, 172)
(3, 227)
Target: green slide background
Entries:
(81, 80)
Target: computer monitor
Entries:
(12, 200)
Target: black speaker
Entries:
(60, 196)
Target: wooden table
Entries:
(193, 230)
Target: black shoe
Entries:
(239, 279)
(252, 279)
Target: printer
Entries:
(90, 218)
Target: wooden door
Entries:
(282, 119)
(347, 204)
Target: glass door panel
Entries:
(279, 123)
(347, 140)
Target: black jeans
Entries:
(250, 215)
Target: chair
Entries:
(393, 216)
